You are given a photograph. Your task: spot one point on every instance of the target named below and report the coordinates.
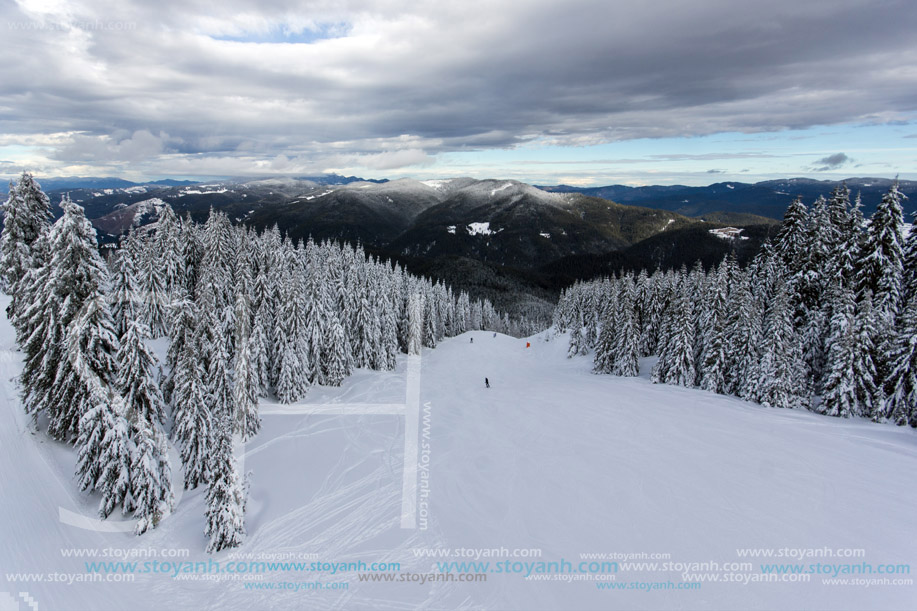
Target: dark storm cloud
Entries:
(396, 76)
(831, 162)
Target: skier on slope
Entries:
(486, 383)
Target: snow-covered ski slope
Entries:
(550, 458)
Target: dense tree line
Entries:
(823, 318)
(246, 315)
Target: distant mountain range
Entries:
(506, 223)
(59, 183)
(498, 238)
(769, 198)
(494, 237)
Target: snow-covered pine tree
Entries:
(477, 317)
(335, 360)
(246, 380)
(577, 342)
(168, 245)
(909, 279)
(869, 394)
(225, 516)
(590, 322)
(389, 340)
(260, 341)
(462, 313)
(743, 338)
(151, 477)
(881, 270)
(666, 328)
(217, 258)
(316, 319)
(901, 406)
(429, 322)
(219, 367)
(115, 454)
(94, 424)
(193, 424)
(839, 395)
(73, 275)
(440, 309)
(154, 299)
(136, 379)
(124, 295)
(606, 347)
(680, 367)
(791, 240)
(415, 323)
(627, 337)
(182, 324)
(90, 351)
(779, 381)
(292, 381)
(881, 263)
(105, 413)
(847, 227)
(713, 361)
(191, 254)
(26, 216)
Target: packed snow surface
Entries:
(549, 458)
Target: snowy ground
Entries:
(550, 458)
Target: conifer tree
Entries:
(125, 289)
(881, 262)
(415, 323)
(577, 342)
(193, 425)
(136, 378)
(151, 487)
(713, 362)
(909, 278)
(627, 338)
(901, 406)
(335, 361)
(743, 337)
(606, 347)
(153, 297)
(225, 515)
(779, 382)
(246, 379)
(791, 240)
(869, 394)
(26, 216)
(68, 322)
(676, 366)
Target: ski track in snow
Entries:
(549, 457)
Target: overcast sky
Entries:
(582, 92)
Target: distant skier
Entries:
(486, 383)
(472, 340)
(495, 334)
